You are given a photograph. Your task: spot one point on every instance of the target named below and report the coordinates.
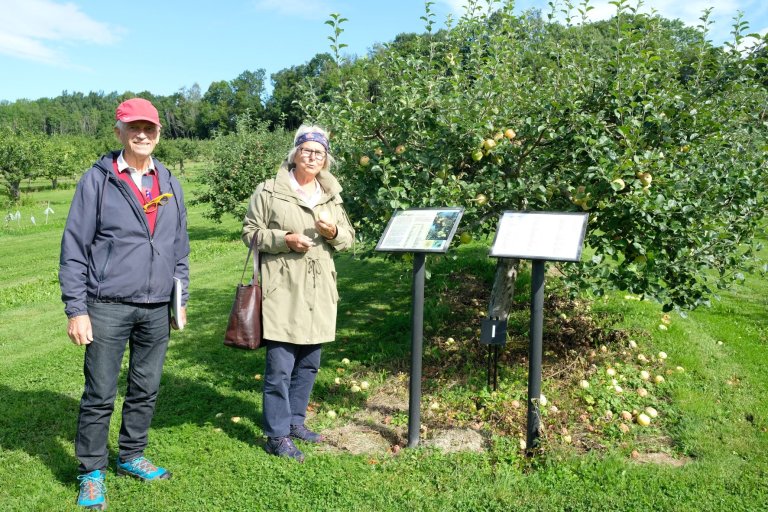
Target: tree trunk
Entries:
(503, 291)
(15, 187)
(54, 183)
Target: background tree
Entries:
(21, 157)
(282, 109)
(66, 157)
(242, 159)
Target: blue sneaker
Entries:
(93, 492)
(143, 469)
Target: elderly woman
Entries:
(300, 222)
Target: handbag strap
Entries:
(256, 260)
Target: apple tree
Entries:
(241, 160)
(659, 135)
(21, 157)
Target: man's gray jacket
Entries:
(107, 252)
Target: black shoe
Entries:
(303, 433)
(283, 447)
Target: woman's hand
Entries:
(298, 242)
(326, 228)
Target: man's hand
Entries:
(183, 318)
(298, 242)
(79, 330)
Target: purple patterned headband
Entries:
(314, 137)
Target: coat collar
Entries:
(282, 185)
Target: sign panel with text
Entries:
(551, 236)
(420, 230)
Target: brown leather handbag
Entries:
(244, 329)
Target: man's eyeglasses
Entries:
(151, 206)
(306, 153)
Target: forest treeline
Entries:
(188, 113)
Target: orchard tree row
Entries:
(30, 156)
(638, 120)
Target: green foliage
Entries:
(282, 107)
(21, 157)
(241, 160)
(638, 120)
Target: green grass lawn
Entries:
(714, 414)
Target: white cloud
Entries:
(318, 9)
(39, 29)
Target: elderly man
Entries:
(124, 242)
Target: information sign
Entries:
(551, 236)
(420, 230)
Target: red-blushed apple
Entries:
(509, 133)
(365, 160)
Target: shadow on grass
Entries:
(40, 423)
(215, 232)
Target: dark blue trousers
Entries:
(290, 374)
(145, 328)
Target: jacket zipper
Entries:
(105, 267)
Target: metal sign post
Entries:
(540, 237)
(418, 231)
(417, 350)
(534, 355)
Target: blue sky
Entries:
(49, 46)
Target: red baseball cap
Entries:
(137, 109)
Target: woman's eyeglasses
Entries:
(152, 205)
(306, 153)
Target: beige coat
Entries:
(300, 295)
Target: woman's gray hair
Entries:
(305, 128)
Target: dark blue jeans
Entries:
(289, 377)
(146, 329)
